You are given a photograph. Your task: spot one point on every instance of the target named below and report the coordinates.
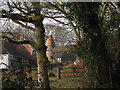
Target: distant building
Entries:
(15, 56)
(58, 53)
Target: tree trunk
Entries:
(99, 50)
(41, 56)
(103, 61)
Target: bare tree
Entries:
(30, 12)
(62, 35)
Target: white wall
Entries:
(5, 61)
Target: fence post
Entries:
(58, 73)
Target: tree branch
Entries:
(16, 16)
(54, 16)
(25, 26)
(58, 20)
(20, 9)
(57, 7)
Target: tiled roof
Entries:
(27, 46)
(68, 56)
(64, 53)
(17, 50)
(60, 48)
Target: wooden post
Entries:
(58, 73)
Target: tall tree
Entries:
(88, 18)
(31, 12)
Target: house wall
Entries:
(4, 61)
(49, 55)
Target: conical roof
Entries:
(50, 43)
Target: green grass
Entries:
(71, 79)
(76, 82)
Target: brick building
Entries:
(58, 53)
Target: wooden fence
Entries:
(68, 72)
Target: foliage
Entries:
(70, 66)
(15, 84)
(54, 65)
(20, 82)
(82, 49)
(92, 46)
(19, 78)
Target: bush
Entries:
(19, 83)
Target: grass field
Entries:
(74, 83)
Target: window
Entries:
(59, 60)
